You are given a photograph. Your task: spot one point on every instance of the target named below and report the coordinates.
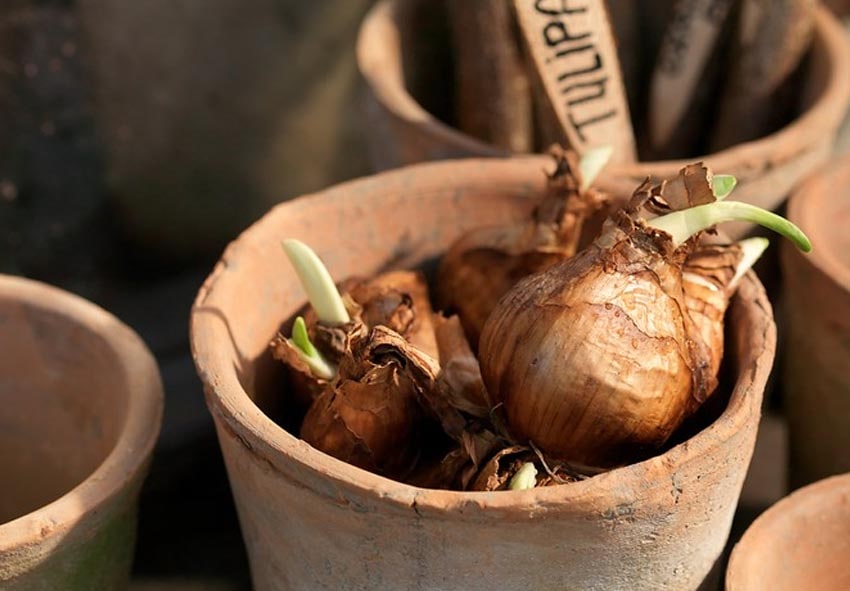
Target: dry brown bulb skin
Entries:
(398, 300)
(370, 416)
(707, 279)
(481, 266)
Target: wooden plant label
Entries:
(573, 51)
(688, 43)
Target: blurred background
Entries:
(137, 138)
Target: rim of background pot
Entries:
(380, 65)
(228, 400)
(138, 433)
(812, 206)
(785, 523)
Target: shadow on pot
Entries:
(658, 524)
(799, 544)
(404, 131)
(80, 410)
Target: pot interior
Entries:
(61, 404)
(800, 544)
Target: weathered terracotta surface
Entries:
(313, 522)
(80, 409)
(816, 367)
(802, 543)
(403, 132)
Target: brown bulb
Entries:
(371, 416)
(397, 300)
(597, 360)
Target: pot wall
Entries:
(313, 522)
(80, 409)
(817, 314)
(403, 132)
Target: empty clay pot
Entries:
(313, 522)
(817, 317)
(80, 409)
(403, 132)
(802, 543)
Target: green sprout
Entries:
(317, 282)
(525, 477)
(320, 367)
(591, 164)
(722, 185)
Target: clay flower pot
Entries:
(799, 544)
(80, 409)
(817, 317)
(313, 522)
(403, 132)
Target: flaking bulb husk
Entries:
(371, 414)
(398, 300)
(485, 263)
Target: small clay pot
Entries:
(80, 410)
(313, 522)
(817, 316)
(403, 132)
(802, 543)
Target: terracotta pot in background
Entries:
(800, 544)
(403, 132)
(211, 111)
(80, 409)
(817, 314)
(313, 522)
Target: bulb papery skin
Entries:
(473, 278)
(370, 415)
(707, 275)
(595, 359)
(398, 300)
(482, 265)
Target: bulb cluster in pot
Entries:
(561, 360)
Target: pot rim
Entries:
(138, 434)
(770, 523)
(380, 65)
(810, 207)
(236, 412)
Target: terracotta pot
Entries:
(817, 317)
(802, 543)
(403, 132)
(80, 409)
(313, 522)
